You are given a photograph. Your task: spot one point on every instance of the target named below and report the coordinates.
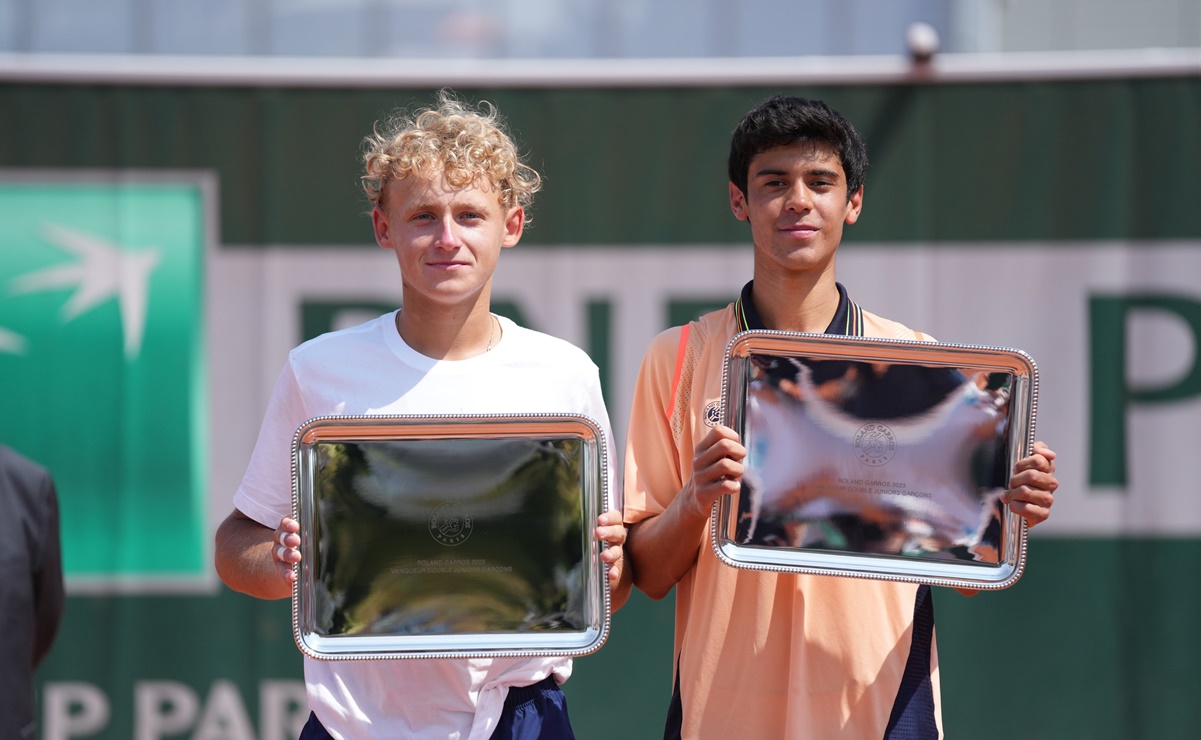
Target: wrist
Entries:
(693, 508)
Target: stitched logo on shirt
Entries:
(712, 413)
(450, 524)
(875, 444)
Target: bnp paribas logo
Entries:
(101, 359)
(97, 270)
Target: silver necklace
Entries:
(491, 329)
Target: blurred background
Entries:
(591, 29)
(179, 206)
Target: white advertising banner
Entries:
(1113, 328)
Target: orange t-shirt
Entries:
(760, 654)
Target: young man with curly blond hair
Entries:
(448, 194)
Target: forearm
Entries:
(664, 548)
(244, 560)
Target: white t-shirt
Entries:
(368, 369)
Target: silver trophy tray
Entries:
(876, 458)
(449, 537)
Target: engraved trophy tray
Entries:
(449, 536)
(876, 458)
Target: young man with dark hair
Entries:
(762, 654)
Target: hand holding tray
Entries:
(876, 458)
(449, 536)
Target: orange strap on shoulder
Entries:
(680, 354)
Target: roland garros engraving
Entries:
(450, 524)
(875, 444)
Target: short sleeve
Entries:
(265, 494)
(652, 468)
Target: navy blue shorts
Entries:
(537, 712)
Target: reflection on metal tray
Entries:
(449, 536)
(876, 458)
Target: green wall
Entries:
(1098, 638)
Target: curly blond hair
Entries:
(465, 144)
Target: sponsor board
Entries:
(143, 375)
(161, 709)
(1116, 348)
(100, 330)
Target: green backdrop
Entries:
(1097, 641)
